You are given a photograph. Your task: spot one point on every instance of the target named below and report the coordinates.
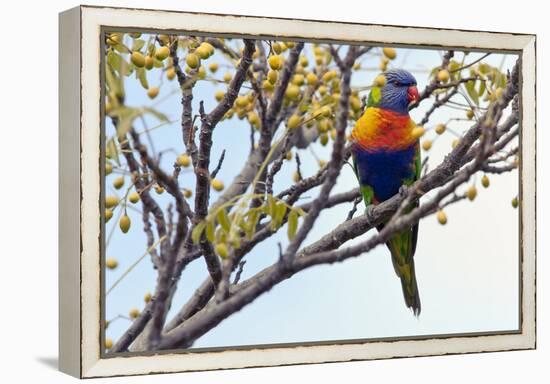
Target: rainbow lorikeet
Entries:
(386, 156)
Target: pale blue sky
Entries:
(467, 271)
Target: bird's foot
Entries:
(369, 212)
(403, 191)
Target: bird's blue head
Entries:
(399, 91)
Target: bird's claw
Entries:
(369, 213)
(403, 191)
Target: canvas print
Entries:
(260, 192)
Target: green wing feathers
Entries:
(402, 247)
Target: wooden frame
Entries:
(79, 263)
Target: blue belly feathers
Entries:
(384, 171)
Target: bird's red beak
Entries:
(412, 94)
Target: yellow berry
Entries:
(272, 76)
(471, 193)
(292, 92)
(390, 53)
(162, 53)
(441, 217)
(159, 189)
(133, 197)
(295, 177)
(304, 62)
(192, 61)
(455, 143)
(515, 202)
(253, 119)
(329, 76)
(115, 38)
(380, 80)
(202, 52)
(111, 201)
(312, 78)
(227, 77)
(323, 90)
(108, 168)
(111, 263)
(153, 92)
(149, 62)
(485, 181)
(134, 312)
(426, 145)
(147, 298)
(164, 38)
(171, 73)
(323, 139)
(298, 79)
(108, 343)
(293, 121)
(124, 223)
(469, 114)
(118, 182)
(288, 155)
(322, 163)
(443, 75)
(183, 160)
(418, 132)
(242, 101)
(219, 95)
(355, 104)
(275, 62)
(267, 86)
(108, 214)
(276, 48)
(187, 193)
(138, 59)
(217, 185)
(440, 129)
(324, 111)
(213, 67)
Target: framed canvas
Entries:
(249, 191)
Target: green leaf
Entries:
(252, 222)
(121, 48)
(210, 231)
(126, 119)
(470, 88)
(272, 205)
(292, 224)
(138, 44)
(141, 74)
(223, 219)
(481, 88)
(197, 232)
(115, 60)
(113, 82)
(111, 150)
(280, 212)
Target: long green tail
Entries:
(402, 246)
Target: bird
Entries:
(386, 156)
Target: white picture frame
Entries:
(79, 259)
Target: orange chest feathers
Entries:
(380, 129)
